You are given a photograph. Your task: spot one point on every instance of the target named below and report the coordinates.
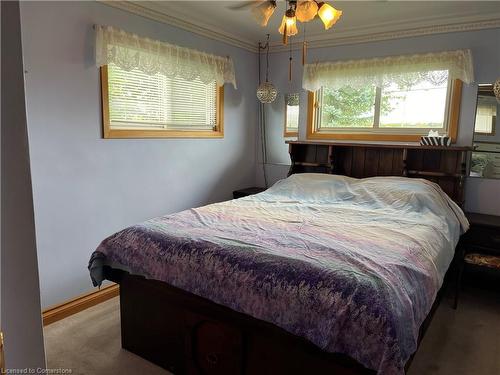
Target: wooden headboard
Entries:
(445, 166)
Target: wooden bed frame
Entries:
(187, 334)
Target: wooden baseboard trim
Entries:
(75, 305)
(2, 356)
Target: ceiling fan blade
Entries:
(245, 4)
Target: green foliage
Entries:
(479, 162)
(350, 107)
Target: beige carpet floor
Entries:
(461, 342)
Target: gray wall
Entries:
(85, 187)
(20, 297)
(486, 54)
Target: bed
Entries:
(321, 273)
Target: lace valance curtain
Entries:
(366, 72)
(130, 51)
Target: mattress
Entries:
(352, 265)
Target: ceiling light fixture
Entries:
(288, 25)
(306, 10)
(328, 14)
(296, 11)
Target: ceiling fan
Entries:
(297, 11)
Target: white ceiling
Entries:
(361, 20)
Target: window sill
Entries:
(365, 137)
(127, 134)
(290, 134)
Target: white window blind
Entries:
(141, 101)
(292, 118)
(486, 113)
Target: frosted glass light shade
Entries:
(329, 15)
(266, 92)
(306, 10)
(496, 89)
(263, 12)
(291, 26)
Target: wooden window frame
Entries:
(109, 133)
(453, 120)
(287, 134)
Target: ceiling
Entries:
(361, 21)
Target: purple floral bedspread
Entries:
(351, 265)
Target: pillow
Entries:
(375, 192)
(313, 187)
(412, 195)
(400, 193)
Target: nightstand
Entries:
(479, 247)
(246, 192)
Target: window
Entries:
(291, 115)
(138, 105)
(291, 120)
(400, 108)
(154, 89)
(392, 98)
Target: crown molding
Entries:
(363, 34)
(208, 31)
(395, 31)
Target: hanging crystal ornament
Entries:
(266, 92)
(292, 100)
(496, 89)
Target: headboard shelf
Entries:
(383, 145)
(445, 166)
(306, 164)
(433, 174)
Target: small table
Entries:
(246, 192)
(480, 246)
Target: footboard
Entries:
(186, 334)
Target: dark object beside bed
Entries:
(480, 252)
(246, 192)
(188, 334)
